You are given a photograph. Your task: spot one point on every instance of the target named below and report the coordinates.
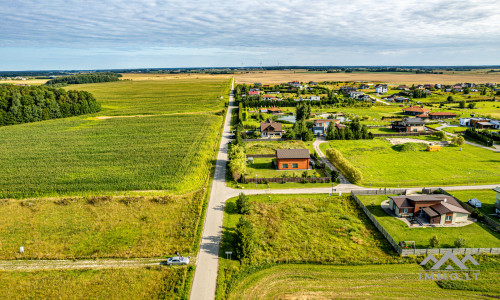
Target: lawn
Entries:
(476, 235)
(358, 282)
(381, 130)
(130, 97)
(78, 156)
(140, 283)
(94, 227)
(264, 168)
(487, 198)
(382, 165)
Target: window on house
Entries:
(405, 210)
(285, 166)
(295, 166)
(448, 218)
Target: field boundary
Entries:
(416, 252)
(401, 134)
(289, 179)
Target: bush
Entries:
(440, 135)
(243, 204)
(352, 173)
(459, 243)
(458, 140)
(335, 175)
(434, 242)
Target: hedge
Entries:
(352, 173)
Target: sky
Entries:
(109, 34)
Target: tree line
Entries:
(472, 133)
(354, 131)
(20, 104)
(85, 78)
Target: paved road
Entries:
(440, 128)
(205, 276)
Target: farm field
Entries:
(139, 97)
(139, 283)
(97, 227)
(487, 198)
(357, 282)
(274, 77)
(385, 166)
(476, 235)
(78, 156)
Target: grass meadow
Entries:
(113, 227)
(130, 97)
(360, 282)
(302, 229)
(382, 165)
(487, 198)
(139, 283)
(476, 235)
(78, 156)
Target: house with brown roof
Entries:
(269, 128)
(275, 110)
(415, 110)
(321, 125)
(409, 125)
(292, 159)
(436, 209)
(442, 115)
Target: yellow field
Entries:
(29, 81)
(273, 77)
(150, 76)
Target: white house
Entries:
(381, 88)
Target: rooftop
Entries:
(292, 153)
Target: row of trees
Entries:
(300, 128)
(85, 78)
(20, 104)
(354, 131)
(472, 133)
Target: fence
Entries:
(489, 221)
(407, 252)
(381, 191)
(401, 134)
(289, 179)
(269, 140)
(261, 155)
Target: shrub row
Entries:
(472, 133)
(350, 172)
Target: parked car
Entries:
(177, 260)
(475, 202)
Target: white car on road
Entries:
(177, 260)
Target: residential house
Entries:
(295, 84)
(347, 89)
(403, 87)
(263, 110)
(355, 95)
(292, 159)
(442, 115)
(321, 125)
(471, 122)
(275, 110)
(381, 88)
(364, 87)
(270, 128)
(409, 125)
(420, 87)
(497, 203)
(400, 99)
(415, 110)
(428, 86)
(438, 85)
(253, 92)
(436, 209)
(269, 97)
(458, 88)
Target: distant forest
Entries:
(85, 78)
(20, 104)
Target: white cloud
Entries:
(358, 25)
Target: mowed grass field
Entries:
(476, 235)
(384, 166)
(139, 283)
(137, 97)
(97, 227)
(487, 198)
(78, 156)
(359, 282)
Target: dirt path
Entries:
(36, 265)
(319, 141)
(399, 141)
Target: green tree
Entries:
(434, 242)
(244, 242)
(466, 90)
(458, 140)
(459, 243)
(335, 175)
(450, 98)
(243, 204)
(472, 105)
(440, 135)
(462, 104)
